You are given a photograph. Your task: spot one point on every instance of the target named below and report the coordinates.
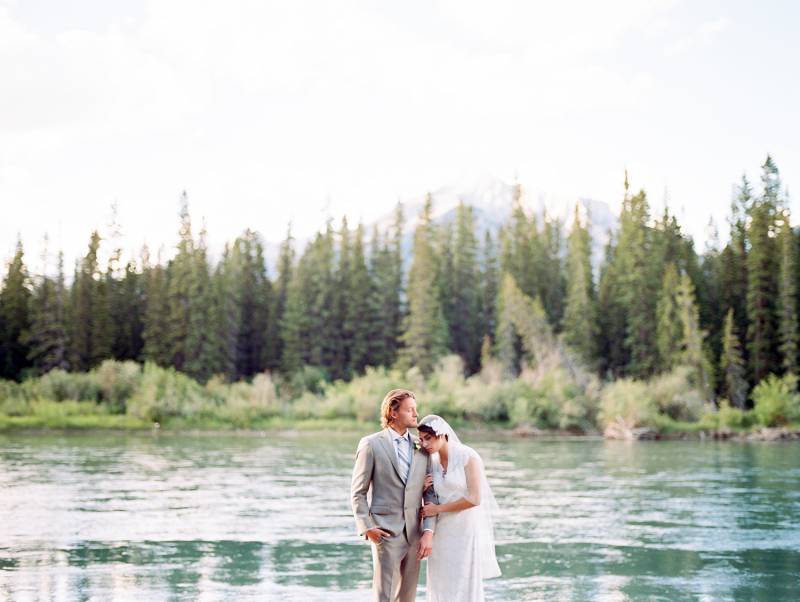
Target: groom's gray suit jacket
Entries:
(394, 504)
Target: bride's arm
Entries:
(472, 499)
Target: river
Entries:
(109, 516)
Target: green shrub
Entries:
(735, 418)
(483, 401)
(368, 392)
(630, 401)
(10, 390)
(60, 409)
(14, 406)
(117, 382)
(240, 403)
(306, 406)
(165, 392)
(308, 378)
(60, 385)
(573, 407)
(530, 406)
(776, 400)
(676, 397)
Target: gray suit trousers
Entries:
(395, 570)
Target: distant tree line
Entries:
(346, 302)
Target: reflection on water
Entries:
(215, 517)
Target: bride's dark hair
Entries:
(424, 428)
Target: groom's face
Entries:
(406, 414)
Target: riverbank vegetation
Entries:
(127, 395)
(519, 327)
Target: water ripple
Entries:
(215, 517)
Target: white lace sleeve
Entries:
(473, 471)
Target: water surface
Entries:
(216, 517)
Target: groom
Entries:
(389, 463)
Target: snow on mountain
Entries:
(492, 201)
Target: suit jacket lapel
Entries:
(388, 447)
(415, 455)
(413, 451)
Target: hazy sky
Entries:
(267, 112)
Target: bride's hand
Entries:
(428, 482)
(429, 510)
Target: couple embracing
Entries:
(453, 529)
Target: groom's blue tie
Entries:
(403, 456)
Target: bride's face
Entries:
(431, 443)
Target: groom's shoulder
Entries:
(369, 439)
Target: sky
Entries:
(274, 112)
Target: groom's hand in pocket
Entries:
(425, 546)
(375, 534)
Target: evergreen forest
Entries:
(521, 308)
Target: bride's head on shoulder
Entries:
(433, 434)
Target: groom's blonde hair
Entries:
(392, 402)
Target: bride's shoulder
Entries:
(467, 453)
(474, 457)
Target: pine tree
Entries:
(445, 277)
(156, 345)
(325, 331)
(179, 282)
(734, 263)
(522, 257)
(227, 314)
(669, 245)
(307, 328)
(520, 248)
(48, 336)
(118, 309)
(579, 324)
(489, 281)
(551, 283)
(386, 270)
(15, 318)
(732, 366)
(612, 353)
(464, 318)
(669, 327)
(639, 279)
(254, 295)
(787, 299)
(506, 339)
(394, 307)
(130, 341)
(425, 336)
(762, 285)
(103, 329)
(202, 356)
(525, 318)
(693, 352)
(629, 284)
(381, 277)
(281, 290)
(295, 322)
(712, 313)
(362, 319)
(90, 336)
(342, 346)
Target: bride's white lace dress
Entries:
(463, 545)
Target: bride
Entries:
(463, 551)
